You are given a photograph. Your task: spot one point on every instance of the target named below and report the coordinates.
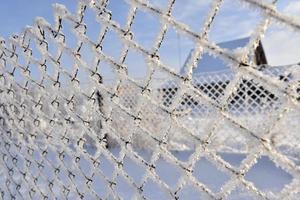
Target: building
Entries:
(212, 76)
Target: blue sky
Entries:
(234, 21)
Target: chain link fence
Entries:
(72, 132)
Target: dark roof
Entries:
(209, 63)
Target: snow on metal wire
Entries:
(68, 133)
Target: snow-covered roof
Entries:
(208, 63)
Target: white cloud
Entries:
(191, 9)
(234, 21)
(281, 44)
(282, 47)
(293, 8)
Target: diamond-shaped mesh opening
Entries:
(265, 170)
(63, 175)
(145, 154)
(153, 191)
(51, 73)
(112, 44)
(51, 46)
(119, 11)
(191, 13)
(285, 135)
(151, 114)
(93, 27)
(121, 123)
(129, 95)
(143, 142)
(35, 73)
(9, 68)
(124, 189)
(105, 166)
(86, 166)
(33, 46)
(88, 56)
(81, 75)
(181, 139)
(158, 87)
(177, 44)
(19, 76)
(51, 157)
(106, 74)
(145, 35)
(163, 92)
(244, 17)
(21, 59)
(67, 62)
(225, 137)
(99, 185)
(191, 192)
(137, 66)
(182, 155)
(134, 169)
(77, 176)
(196, 115)
(208, 174)
(66, 28)
(114, 145)
(170, 174)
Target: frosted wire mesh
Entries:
(67, 131)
